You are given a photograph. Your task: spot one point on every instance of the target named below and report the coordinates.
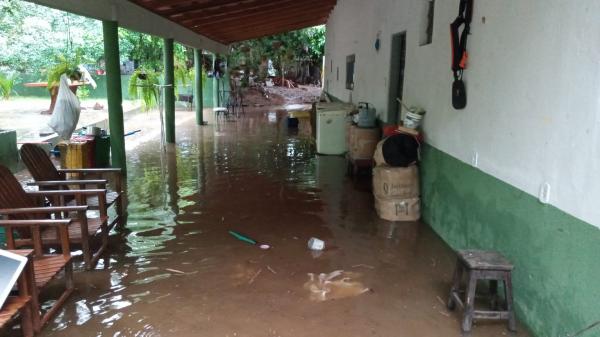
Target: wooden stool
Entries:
(482, 265)
(355, 165)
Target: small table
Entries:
(482, 265)
(54, 93)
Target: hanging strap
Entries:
(459, 38)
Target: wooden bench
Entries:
(21, 305)
(482, 265)
(186, 98)
(46, 267)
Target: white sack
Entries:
(66, 111)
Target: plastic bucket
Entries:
(412, 120)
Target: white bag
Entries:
(66, 111)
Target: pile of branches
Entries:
(278, 81)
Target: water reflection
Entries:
(176, 272)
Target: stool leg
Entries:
(458, 271)
(470, 302)
(512, 325)
(494, 294)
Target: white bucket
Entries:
(412, 120)
(316, 244)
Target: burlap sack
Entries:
(396, 182)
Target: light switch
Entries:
(545, 193)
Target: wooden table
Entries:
(27, 301)
(54, 93)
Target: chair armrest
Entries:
(68, 182)
(29, 223)
(50, 193)
(92, 170)
(42, 210)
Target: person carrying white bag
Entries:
(66, 111)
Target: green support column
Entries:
(198, 95)
(169, 91)
(113, 91)
(216, 96)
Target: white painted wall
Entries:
(533, 83)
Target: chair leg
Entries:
(458, 271)
(27, 320)
(87, 254)
(470, 302)
(512, 325)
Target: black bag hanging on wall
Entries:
(459, 52)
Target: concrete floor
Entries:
(177, 272)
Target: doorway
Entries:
(398, 60)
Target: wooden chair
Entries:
(46, 267)
(21, 303)
(48, 177)
(83, 231)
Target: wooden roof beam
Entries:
(277, 26)
(240, 9)
(265, 21)
(276, 13)
(274, 31)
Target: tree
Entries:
(33, 36)
(304, 47)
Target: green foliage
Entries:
(31, 36)
(142, 48)
(183, 75)
(7, 84)
(142, 86)
(64, 65)
(303, 46)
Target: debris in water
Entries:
(271, 270)
(335, 285)
(255, 276)
(363, 266)
(242, 237)
(159, 298)
(175, 271)
(316, 244)
(444, 313)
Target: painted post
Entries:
(198, 94)
(113, 92)
(216, 81)
(169, 91)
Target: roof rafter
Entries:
(230, 21)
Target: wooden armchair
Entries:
(48, 177)
(46, 267)
(83, 231)
(20, 304)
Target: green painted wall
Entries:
(556, 256)
(99, 92)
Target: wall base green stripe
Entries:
(556, 256)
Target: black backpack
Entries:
(459, 52)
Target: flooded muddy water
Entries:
(176, 271)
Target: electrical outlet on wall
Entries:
(475, 159)
(545, 193)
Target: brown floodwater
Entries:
(176, 271)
